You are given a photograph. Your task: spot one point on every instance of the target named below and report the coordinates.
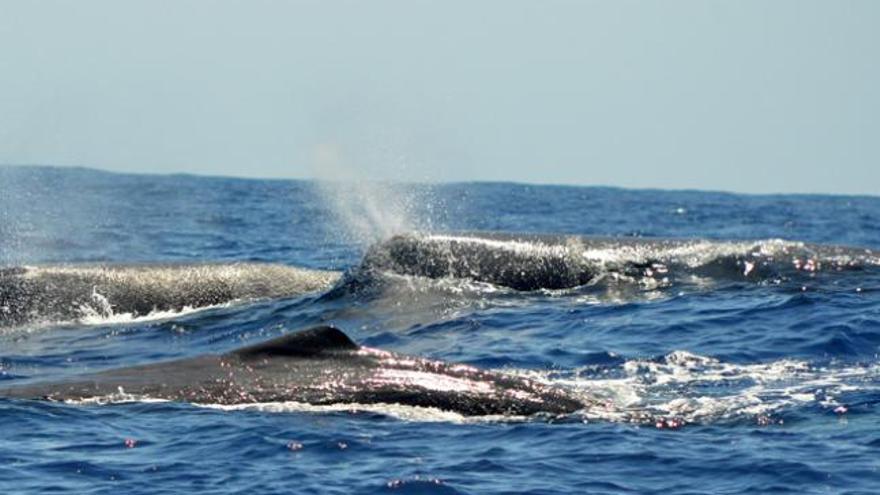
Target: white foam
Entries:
(92, 316)
(120, 397)
(408, 413)
(397, 411)
(89, 316)
(703, 389)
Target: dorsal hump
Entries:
(306, 343)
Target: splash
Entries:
(42, 209)
(106, 316)
(90, 315)
(368, 211)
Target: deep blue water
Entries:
(778, 382)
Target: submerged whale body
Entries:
(532, 261)
(67, 292)
(319, 366)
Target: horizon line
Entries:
(209, 175)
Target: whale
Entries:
(529, 262)
(66, 292)
(319, 366)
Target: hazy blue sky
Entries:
(754, 96)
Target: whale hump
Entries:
(307, 343)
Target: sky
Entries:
(747, 96)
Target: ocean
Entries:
(726, 348)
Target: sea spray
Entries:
(366, 209)
(42, 207)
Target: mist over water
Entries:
(366, 210)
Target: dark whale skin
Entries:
(319, 366)
(528, 262)
(56, 293)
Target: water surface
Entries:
(755, 384)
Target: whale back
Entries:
(309, 343)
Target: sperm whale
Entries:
(524, 262)
(529, 262)
(319, 366)
(64, 292)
